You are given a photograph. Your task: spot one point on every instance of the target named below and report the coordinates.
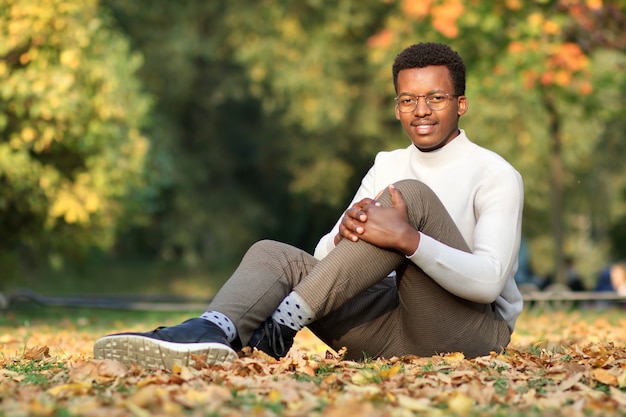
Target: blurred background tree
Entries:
(263, 122)
(71, 147)
(264, 116)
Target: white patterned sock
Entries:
(223, 322)
(293, 312)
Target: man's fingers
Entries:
(397, 200)
(366, 201)
(350, 229)
(396, 195)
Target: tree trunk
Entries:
(556, 186)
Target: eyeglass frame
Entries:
(425, 96)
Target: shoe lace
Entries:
(275, 337)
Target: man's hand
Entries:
(353, 221)
(385, 227)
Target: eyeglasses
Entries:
(407, 103)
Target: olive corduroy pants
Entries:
(358, 303)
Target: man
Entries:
(421, 263)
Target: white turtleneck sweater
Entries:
(484, 195)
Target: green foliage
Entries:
(255, 131)
(35, 372)
(309, 69)
(263, 122)
(71, 150)
(215, 174)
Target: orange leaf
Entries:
(416, 9)
(594, 4)
(382, 39)
(445, 16)
(37, 353)
(604, 376)
(111, 369)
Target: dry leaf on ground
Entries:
(558, 364)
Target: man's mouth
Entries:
(424, 128)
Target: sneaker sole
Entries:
(159, 354)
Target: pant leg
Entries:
(367, 324)
(427, 320)
(352, 267)
(432, 319)
(423, 319)
(266, 275)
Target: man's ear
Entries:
(462, 105)
(397, 112)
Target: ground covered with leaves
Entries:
(558, 364)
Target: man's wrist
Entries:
(412, 243)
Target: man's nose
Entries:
(421, 108)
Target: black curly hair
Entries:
(429, 53)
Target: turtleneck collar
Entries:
(446, 152)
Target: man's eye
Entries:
(436, 98)
(406, 100)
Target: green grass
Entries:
(116, 277)
(88, 319)
(35, 372)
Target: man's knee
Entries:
(415, 192)
(265, 246)
(412, 185)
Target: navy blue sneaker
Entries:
(164, 347)
(273, 338)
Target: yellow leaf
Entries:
(460, 404)
(68, 390)
(8, 338)
(150, 380)
(454, 357)
(274, 396)
(137, 410)
(70, 58)
(363, 377)
(621, 379)
(28, 134)
(389, 372)
(146, 396)
(187, 373)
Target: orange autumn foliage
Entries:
(444, 15)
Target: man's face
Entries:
(429, 129)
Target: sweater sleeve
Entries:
(481, 275)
